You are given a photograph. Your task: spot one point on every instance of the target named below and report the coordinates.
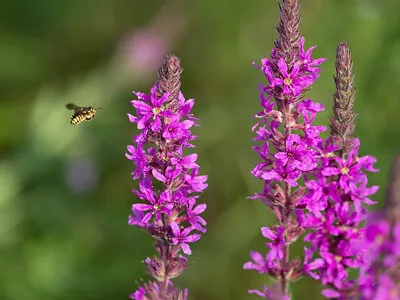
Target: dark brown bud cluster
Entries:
(342, 122)
(287, 44)
(169, 80)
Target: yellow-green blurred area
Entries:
(65, 191)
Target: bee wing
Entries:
(72, 106)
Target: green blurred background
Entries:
(65, 191)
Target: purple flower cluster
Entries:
(312, 185)
(380, 274)
(169, 185)
(335, 222)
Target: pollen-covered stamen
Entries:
(288, 81)
(157, 110)
(345, 170)
(338, 258)
(157, 208)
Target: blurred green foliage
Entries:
(65, 191)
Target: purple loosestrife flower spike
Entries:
(288, 152)
(337, 197)
(169, 181)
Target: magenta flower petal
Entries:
(199, 209)
(141, 207)
(330, 171)
(330, 293)
(266, 232)
(159, 176)
(186, 249)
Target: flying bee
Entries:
(81, 114)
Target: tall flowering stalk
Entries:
(288, 150)
(169, 181)
(313, 186)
